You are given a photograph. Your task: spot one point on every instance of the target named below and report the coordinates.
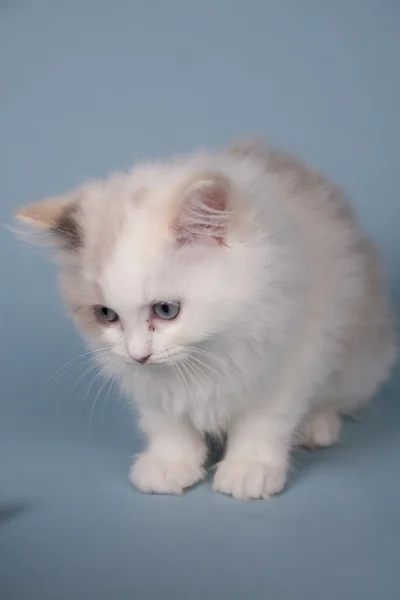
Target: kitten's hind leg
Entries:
(320, 429)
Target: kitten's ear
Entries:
(204, 212)
(57, 216)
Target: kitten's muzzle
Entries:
(140, 359)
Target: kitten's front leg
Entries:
(257, 455)
(174, 458)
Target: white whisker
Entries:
(197, 360)
(183, 377)
(173, 365)
(185, 368)
(95, 365)
(198, 370)
(111, 389)
(214, 357)
(100, 365)
(196, 379)
(76, 358)
(107, 380)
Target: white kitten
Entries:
(234, 293)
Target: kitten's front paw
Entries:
(321, 430)
(154, 475)
(246, 480)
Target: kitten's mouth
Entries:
(167, 359)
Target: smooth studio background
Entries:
(88, 86)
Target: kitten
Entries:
(235, 294)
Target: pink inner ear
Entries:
(204, 215)
(214, 197)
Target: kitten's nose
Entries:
(141, 359)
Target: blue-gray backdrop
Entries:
(88, 86)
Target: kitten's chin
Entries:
(167, 360)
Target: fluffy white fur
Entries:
(284, 323)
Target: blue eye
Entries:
(167, 311)
(105, 314)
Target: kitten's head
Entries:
(156, 261)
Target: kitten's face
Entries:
(151, 263)
(155, 309)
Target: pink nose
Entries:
(141, 359)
